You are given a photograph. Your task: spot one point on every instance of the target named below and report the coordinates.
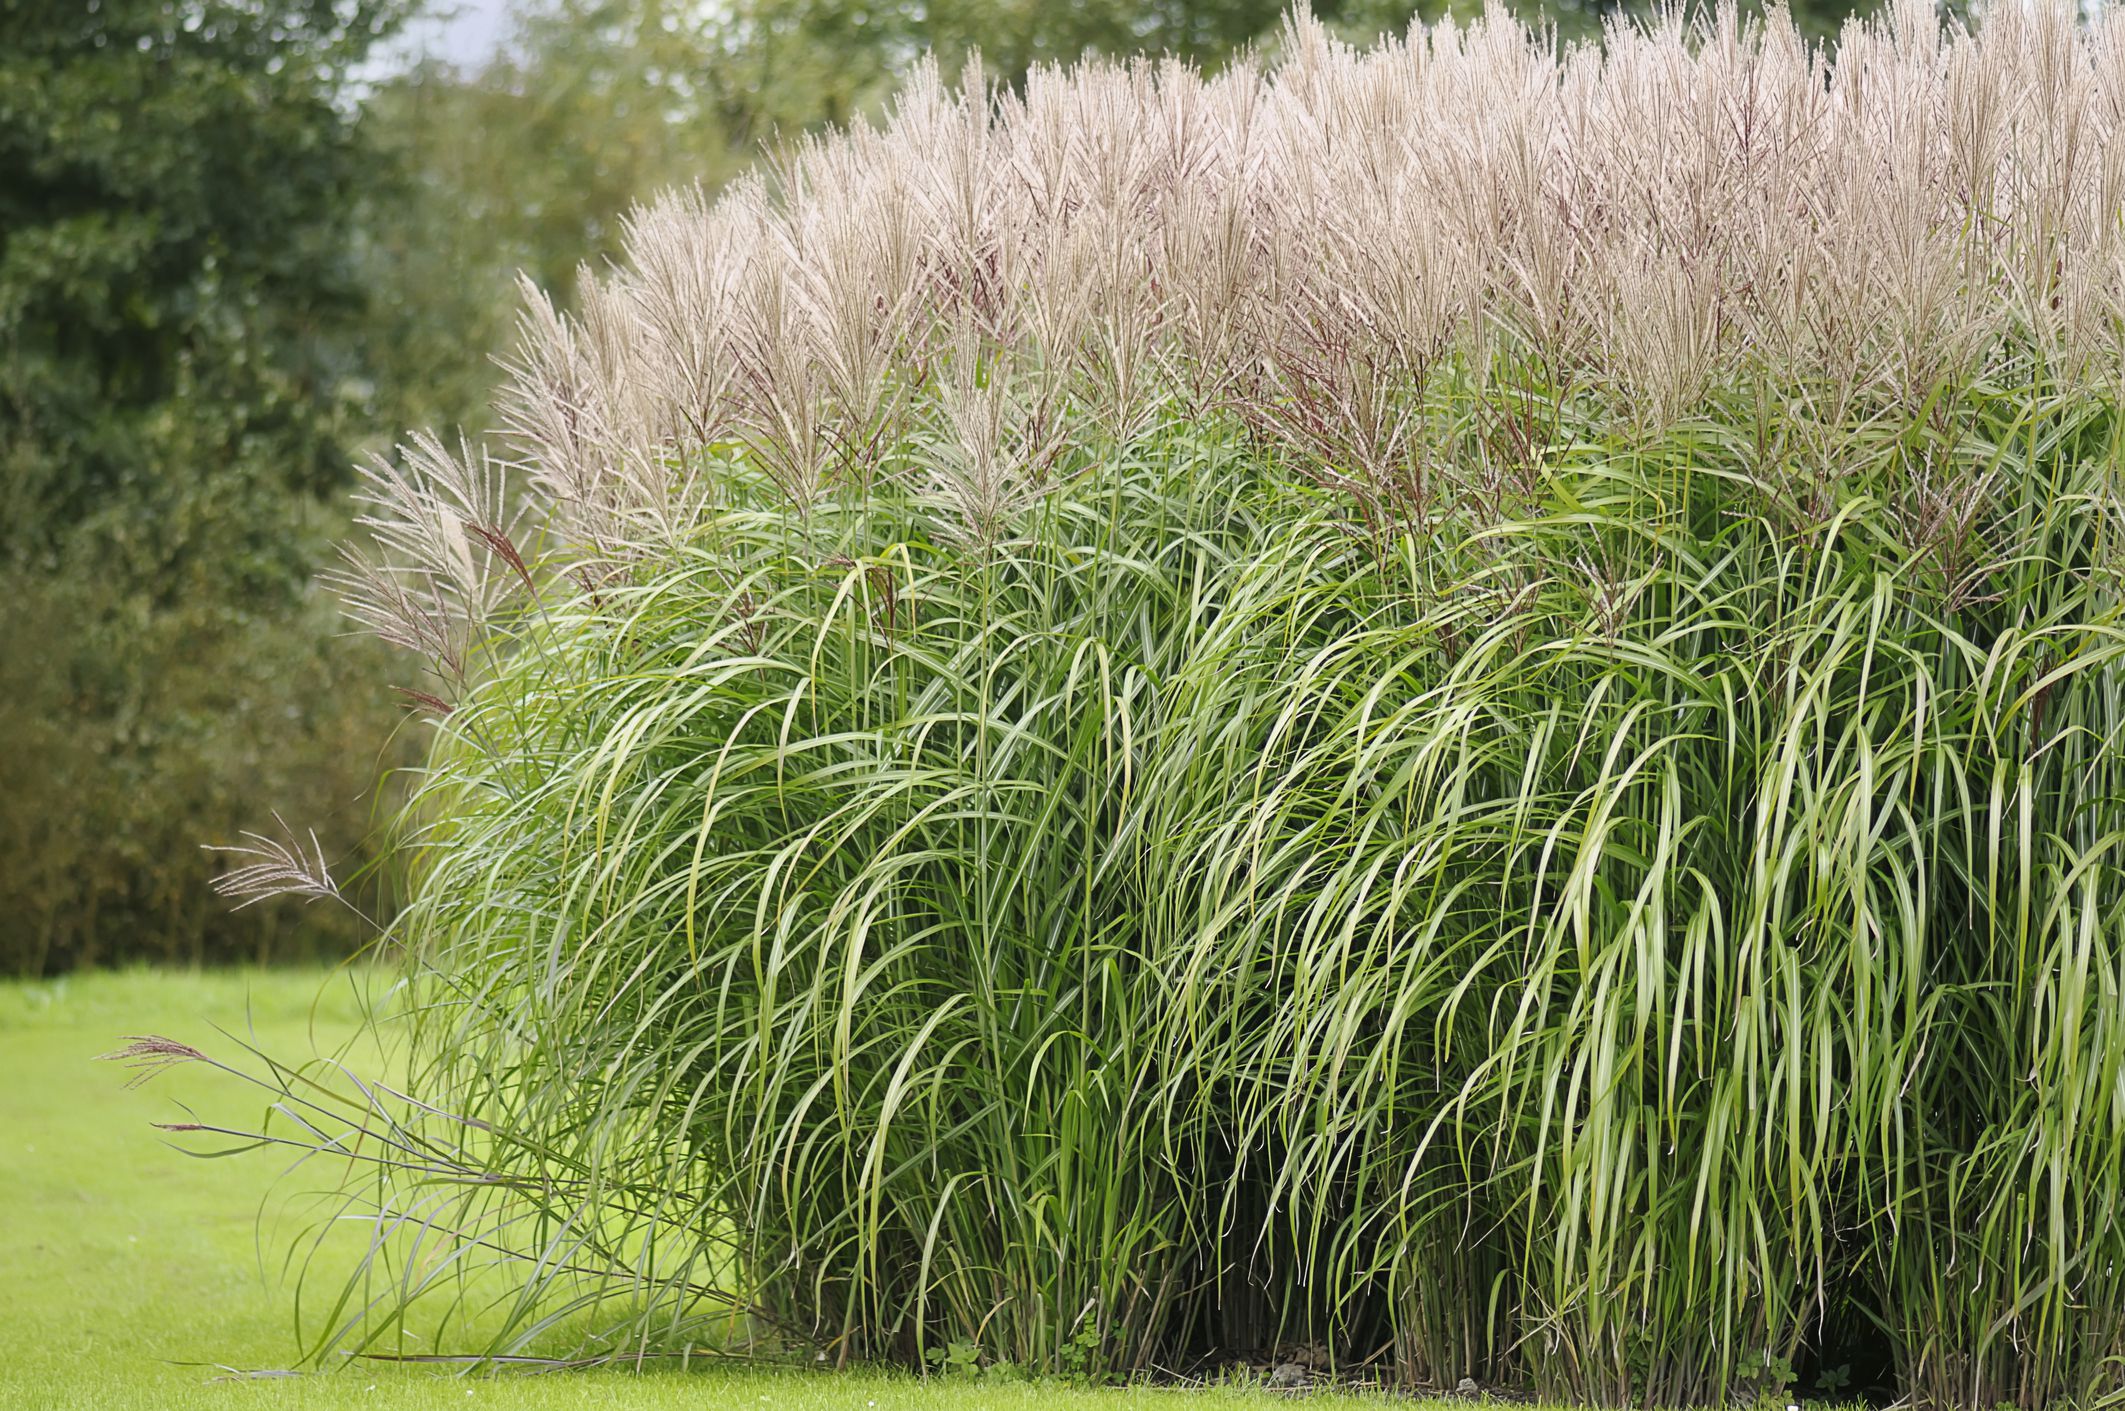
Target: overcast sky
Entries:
(465, 32)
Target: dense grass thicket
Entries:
(1460, 701)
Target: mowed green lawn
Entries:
(132, 1275)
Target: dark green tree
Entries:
(181, 336)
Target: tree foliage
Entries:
(181, 325)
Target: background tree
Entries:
(181, 321)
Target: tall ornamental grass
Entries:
(1460, 700)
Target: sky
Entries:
(465, 32)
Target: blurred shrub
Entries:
(135, 731)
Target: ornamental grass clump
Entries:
(1460, 701)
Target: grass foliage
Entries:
(1569, 860)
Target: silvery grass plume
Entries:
(445, 553)
(277, 867)
(1682, 207)
(292, 864)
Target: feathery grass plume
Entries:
(445, 553)
(278, 867)
(1461, 700)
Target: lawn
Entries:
(132, 1275)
